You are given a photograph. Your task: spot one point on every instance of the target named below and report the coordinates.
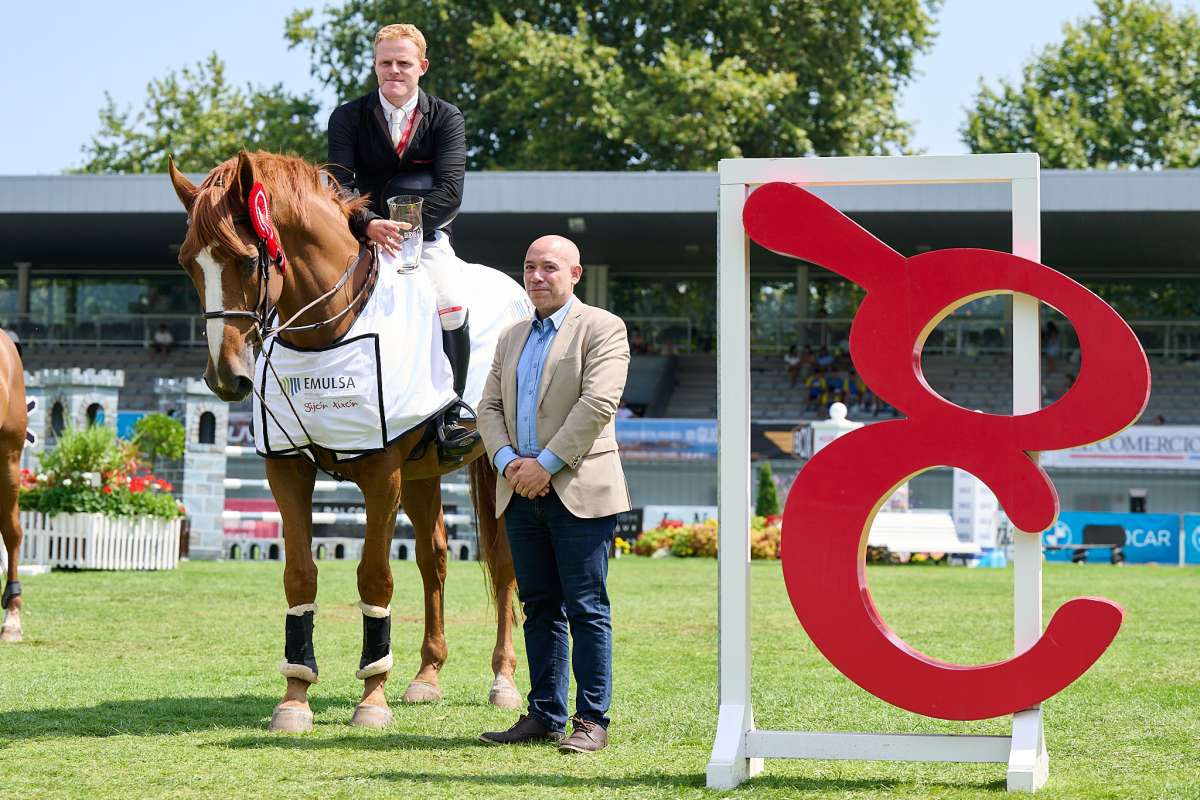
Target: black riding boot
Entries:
(454, 439)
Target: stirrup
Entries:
(454, 440)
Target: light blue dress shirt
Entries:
(529, 378)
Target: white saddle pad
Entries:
(388, 374)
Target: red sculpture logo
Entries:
(835, 497)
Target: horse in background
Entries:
(239, 280)
(12, 443)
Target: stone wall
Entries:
(203, 494)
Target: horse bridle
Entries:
(264, 308)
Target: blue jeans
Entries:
(561, 562)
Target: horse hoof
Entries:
(11, 632)
(503, 694)
(422, 692)
(291, 720)
(367, 716)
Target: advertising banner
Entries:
(1149, 538)
(1191, 538)
(1138, 447)
(667, 439)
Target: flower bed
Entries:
(110, 494)
(674, 538)
(92, 504)
(700, 540)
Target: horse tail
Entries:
(492, 549)
(482, 480)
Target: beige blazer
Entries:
(581, 386)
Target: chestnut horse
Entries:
(12, 442)
(238, 281)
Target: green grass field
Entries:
(160, 685)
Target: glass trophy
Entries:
(406, 208)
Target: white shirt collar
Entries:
(407, 108)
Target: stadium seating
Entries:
(685, 386)
(141, 367)
(979, 382)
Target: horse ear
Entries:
(243, 177)
(185, 190)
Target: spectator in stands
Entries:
(1051, 345)
(836, 381)
(624, 411)
(855, 389)
(1159, 419)
(808, 361)
(637, 343)
(792, 361)
(869, 401)
(824, 358)
(818, 389)
(163, 341)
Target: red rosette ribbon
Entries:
(260, 218)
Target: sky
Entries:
(59, 59)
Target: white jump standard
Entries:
(739, 748)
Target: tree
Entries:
(767, 504)
(202, 120)
(1121, 90)
(157, 435)
(653, 84)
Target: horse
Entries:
(12, 442)
(303, 275)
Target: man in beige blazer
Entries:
(547, 421)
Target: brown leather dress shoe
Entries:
(527, 730)
(586, 737)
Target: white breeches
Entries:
(437, 258)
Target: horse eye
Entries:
(250, 264)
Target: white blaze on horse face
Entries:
(214, 300)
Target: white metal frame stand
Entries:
(739, 748)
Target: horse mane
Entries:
(291, 184)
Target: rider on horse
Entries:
(400, 140)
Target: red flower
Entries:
(107, 490)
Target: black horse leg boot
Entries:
(454, 439)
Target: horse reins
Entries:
(264, 310)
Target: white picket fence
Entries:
(94, 541)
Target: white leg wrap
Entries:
(289, 670)
(300, 611)
(375, 667)
(378, 612)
